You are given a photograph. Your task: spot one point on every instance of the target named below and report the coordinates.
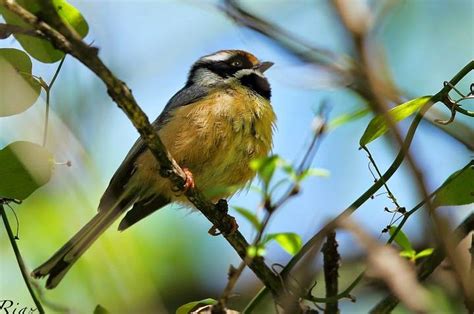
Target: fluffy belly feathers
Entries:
(215, 138)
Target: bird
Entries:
(219, 122)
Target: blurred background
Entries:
(169, 259)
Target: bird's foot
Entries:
(222, 206)
(228, 221)
(189, 182)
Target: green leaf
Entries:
(458, 189)
(378, 126)
(38, 48)
(347, 117)
(251, 217)
(312, 172)
(424, 253)
(288, 169)
(409, 254)
(24, 167)
(19, 90)
(289, 241)
(265, 168)
(191, 306)
(401, 239)
(99, 309)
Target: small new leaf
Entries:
(265, 168)
(289, 241)
(410, 254)
(24, 168)
(347, 117)
(401, 239)
(256, 250)
(458, 189)
(378, 126)
(251, 217)
(424, 253)
(312, 172)
(193, 306)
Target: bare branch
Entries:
(7, 30)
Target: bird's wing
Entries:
(186, 96)
(142, 209)
(116, 188)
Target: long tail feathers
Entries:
(59, 264)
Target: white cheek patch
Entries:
(219, 56)
(206, 77)
(241, 73)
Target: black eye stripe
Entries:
(244, 62)
(224, 69)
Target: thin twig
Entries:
(48, 88)
(19, 259)
(471, 251)
(331, 260)
(372, 160)
(7, 29)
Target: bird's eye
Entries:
(236, 63)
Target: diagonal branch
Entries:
(65, 39)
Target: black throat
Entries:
(257, 84)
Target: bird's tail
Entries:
(59, 264)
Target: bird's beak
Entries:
(263, 66)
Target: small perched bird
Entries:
(213, 127)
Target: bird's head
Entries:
(228, 66)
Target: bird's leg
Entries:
(187, 185)
(227, 220)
